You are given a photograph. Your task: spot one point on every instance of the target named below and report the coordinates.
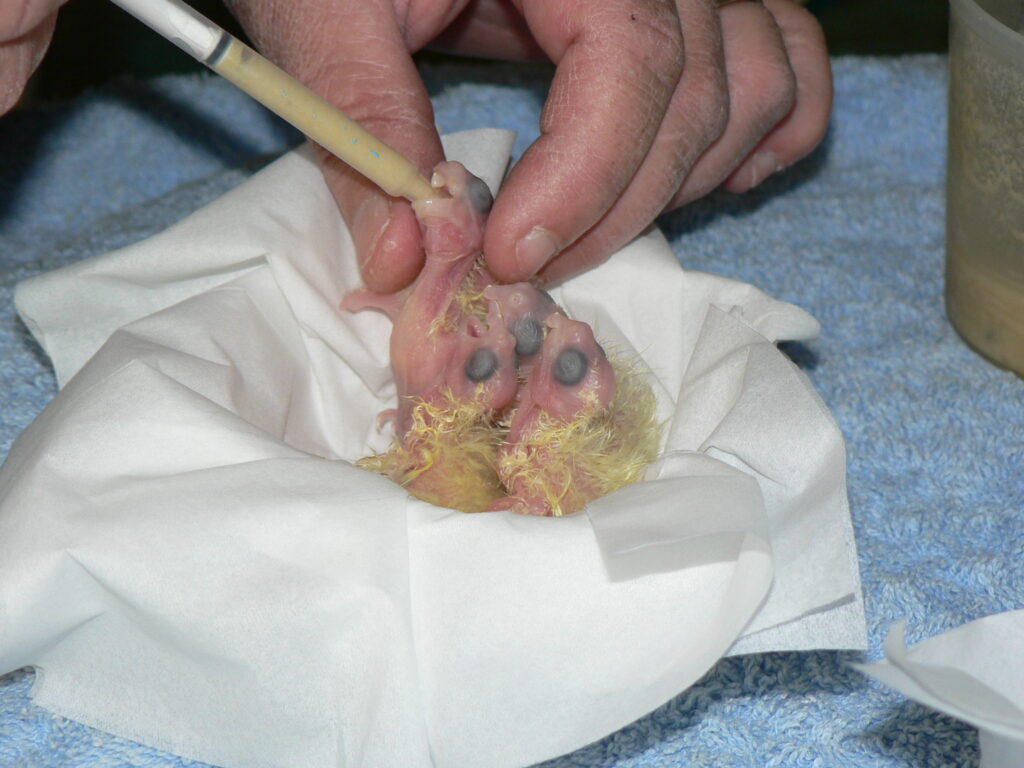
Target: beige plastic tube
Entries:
(317, 118)
(322, 122)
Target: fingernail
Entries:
(763, 165)
(535, 250)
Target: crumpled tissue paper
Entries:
(188, 557)
(974, 673)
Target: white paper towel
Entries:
(189, 559)
(974, 673)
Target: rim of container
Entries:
(995, 32)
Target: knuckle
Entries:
(368, 93)
(712, 108)
(19, 17)
(775, 94)
(389, 112)
(656, 36)
(13, 20)
(647, 34)
(762, 86)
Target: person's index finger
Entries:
(617, 66)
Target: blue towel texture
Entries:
(854, 234)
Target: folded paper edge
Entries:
(897, 671)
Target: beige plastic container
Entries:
(985, 185)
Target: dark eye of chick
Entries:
(479, 195)
(570, 367)
(529, 336)
(481, 365)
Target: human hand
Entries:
(654, 103)
(26, 27)
(648, 118)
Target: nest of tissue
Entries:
(189, 556)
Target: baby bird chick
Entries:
(503, 401)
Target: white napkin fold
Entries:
(974, 673)
(188, 557)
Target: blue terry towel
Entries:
(854, 235)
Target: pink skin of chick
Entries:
(433, 343)
(523, 309)
(571, 378)
(525, 354)
(484, 364)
